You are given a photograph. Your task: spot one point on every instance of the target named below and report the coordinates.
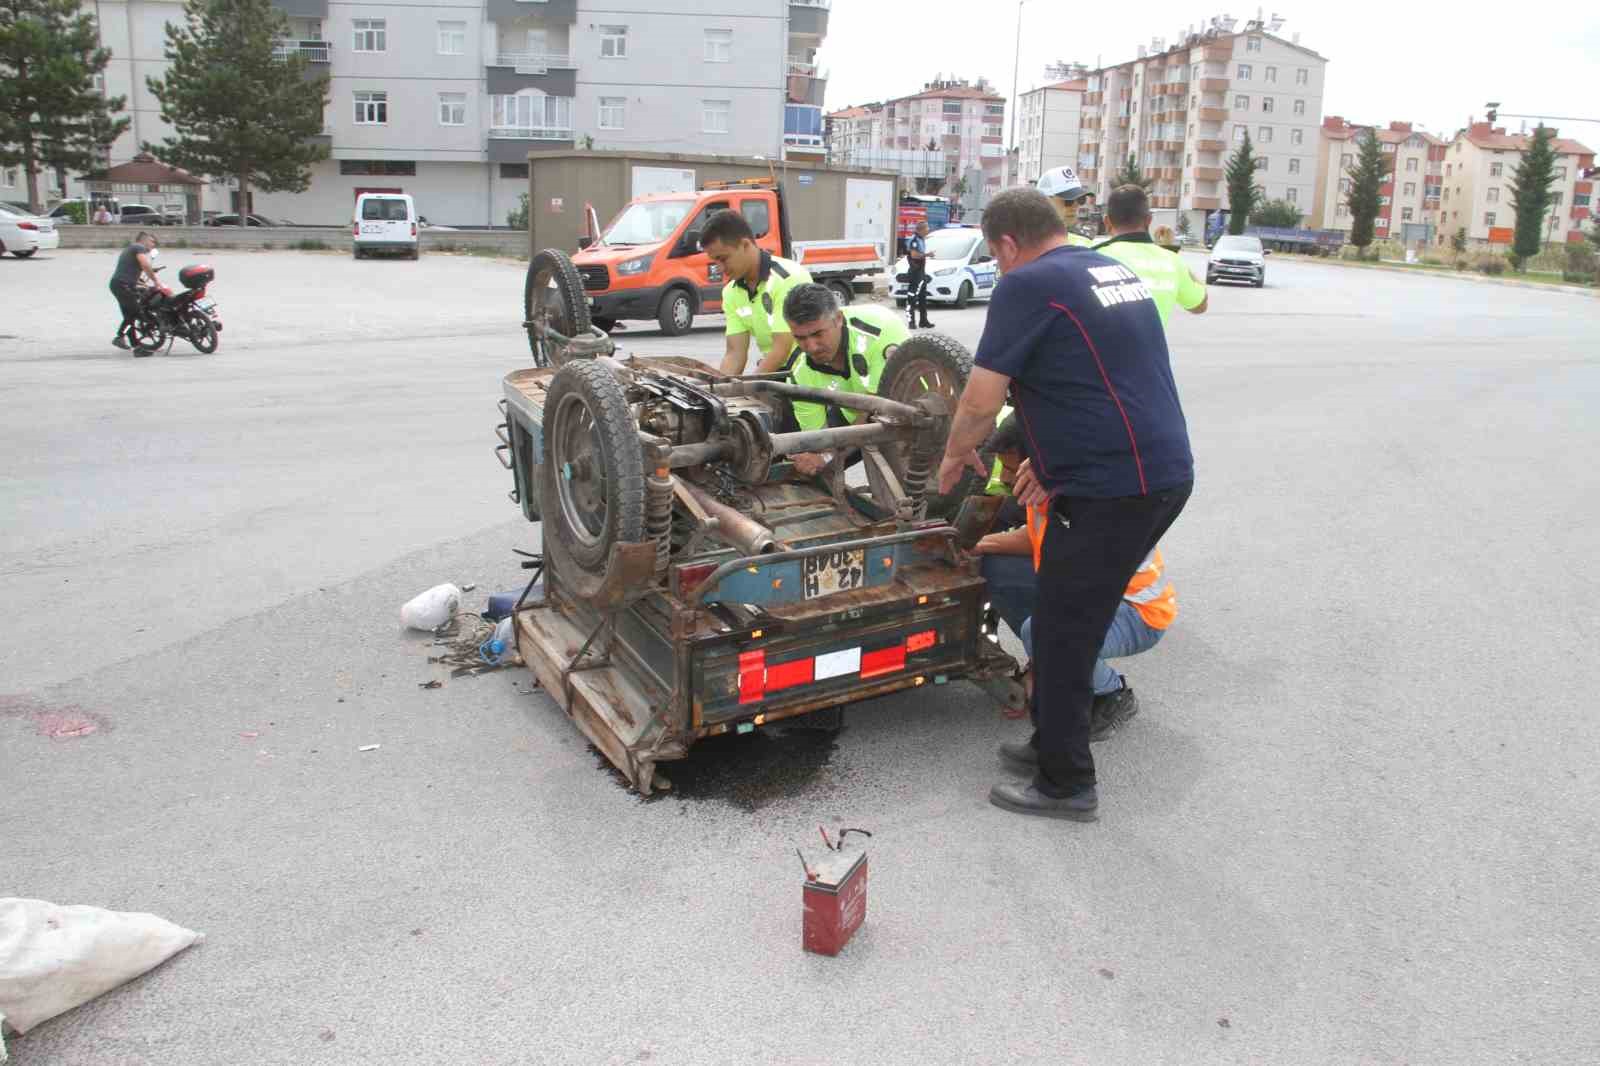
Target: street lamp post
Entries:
(1016, 65)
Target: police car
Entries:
(960, 268)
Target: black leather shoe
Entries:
(1020, 754)
(925, 324)
(1111, 712)
(1081, 806)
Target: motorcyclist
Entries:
(134, 262)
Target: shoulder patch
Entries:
(777, 268)
(859, 361)
(865, 327)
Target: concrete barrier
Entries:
(503, 241)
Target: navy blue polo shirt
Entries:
(1079, 336)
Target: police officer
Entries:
(1076, 339)
(917, 278)
(1170, 282)
(840, 350)
(752, 298)
(1067, 194)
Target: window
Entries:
(1302, 76)
(1492, 196)
(1262, 162)
(1561, 173)
(452, 109)
(1271, 73)
(1191, 129)
(1411, 166)
(719, 46)
(1186, 188)
(1241, 103)
(1389, 148)
(1344, 184)
(1299, 107)
(1405, 214)
(372, 108)
(533, 112)
(999, 110)
(1488, 218)
(612, 109)
(1294, 166)
(1293, 195)
(993, 131)
(758, 215)
(1239, 133)
(1266, 134)
(1297, 136)
(452, 38)
(1252, 44)
(370, 36)
(1447, 170)
(1244, 72)
(1344, 209)
(1555, 199)
(514, 171)
(715, 115)
(538, 43)
(613, 42)
(1266, 103)
(1188, 160)
(1496, 169)
(1346, 160)
(952, 107)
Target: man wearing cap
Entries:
(917, 278)
(1169, 281)
(753, 297)
(1067, 194)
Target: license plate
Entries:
(372, 227)
(834, 572)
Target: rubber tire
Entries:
(416, 253)
(159, 334)
(572, 317)
(666, 315)
(207, 329)
(621, 462)
(25, 255)
(844, 291)
(355, 252)
(952, 359)
(964, 295)
(1261, 282)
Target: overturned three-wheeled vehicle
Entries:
(693, 582)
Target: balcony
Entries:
(806, 83)
(1163, 202)
(317, 52)
(562, 11)
(507, 73)
(1207, 173)
(1206, 203)
(1094, 97)
(1214, 85)
(1209, 146)
(1169, 173)
(302, 9)
(1213, 114)
(808, 19)
(1579, 214)
(511, 144)
(1217, 53)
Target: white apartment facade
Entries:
(1410, 197)
(445, 99)
(1049, 127)
(1478, 167)
(1181, 111)
(951, 131)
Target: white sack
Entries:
(431, 609)
(54, 958)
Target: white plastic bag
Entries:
(431, 609)
(54, 958)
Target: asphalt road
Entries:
(1355, 822)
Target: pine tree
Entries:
(1366, 182)
(1130, 174)
(1530, 196)
(1243, 192)
(51, 114)
(235, 108)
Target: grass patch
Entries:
(309, 244)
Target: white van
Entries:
(960, 268)
(384, 222)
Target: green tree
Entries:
(1458, 243)
(1594, 232)
(517, 217)
(1280, 213)
(1366, 182)
(1530, 196)
(51, 114)
(1130, 174)
(236, 108)
(1183, 224)
(1243, 192)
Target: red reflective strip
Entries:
(922, 641)
(883, 661)
(752, 675)
(785, 675)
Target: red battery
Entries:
(834, 898)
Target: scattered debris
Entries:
(463, 639)
(468, 588)
(369, 747)
(435, 683)
(250, 735)
(326, 1036)
(431, 609)
(1225, 1023)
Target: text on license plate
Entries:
(372, 227)
(834, 572)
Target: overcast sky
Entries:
(1433, 65)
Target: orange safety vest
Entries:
(1151, 595)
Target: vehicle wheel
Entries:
(1261, 281)
(844, 291)
(930, 364)
(604, 325)
(676, 313)
(416, 253)
(591, 486)
(202, 333)
(553, 298)
(899, 301)
(2, 247)
(356, 251)
(964, 295)
(146, 334)
(25, 255)
(1211, 279)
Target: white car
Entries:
(385, 222)
(960, 268)
(22, 235)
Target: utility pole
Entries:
(1016, 64)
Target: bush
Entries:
(78, 212)
(1462, 264)
(1491, 266)
(308, 245)
(1432, 260)
(518, 217)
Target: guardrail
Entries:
(530, 133)
(313, 51)
(534, 62)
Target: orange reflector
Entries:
(756, 634)
(921, 600)
(922, 641)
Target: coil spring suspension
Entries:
(658, 517)
(919, 467)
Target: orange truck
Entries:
(647, 264)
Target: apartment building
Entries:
(1409, 198)
(946, 131)
(1180, 110)
(1049, 125)
(445, 99)
(1478, 165)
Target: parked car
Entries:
(960, 268)
(16, 207)
(233, 220)
(23, 234)
(385, 222)
(141, 215)
(1237, 258)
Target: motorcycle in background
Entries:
(165, 316)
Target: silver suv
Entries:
(1237, 259)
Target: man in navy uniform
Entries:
(1075, 338)
(917, 278)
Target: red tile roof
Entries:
(143, 169)
(955, 92)
(1485, 136)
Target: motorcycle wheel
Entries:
(202, 333)
(147, 334)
